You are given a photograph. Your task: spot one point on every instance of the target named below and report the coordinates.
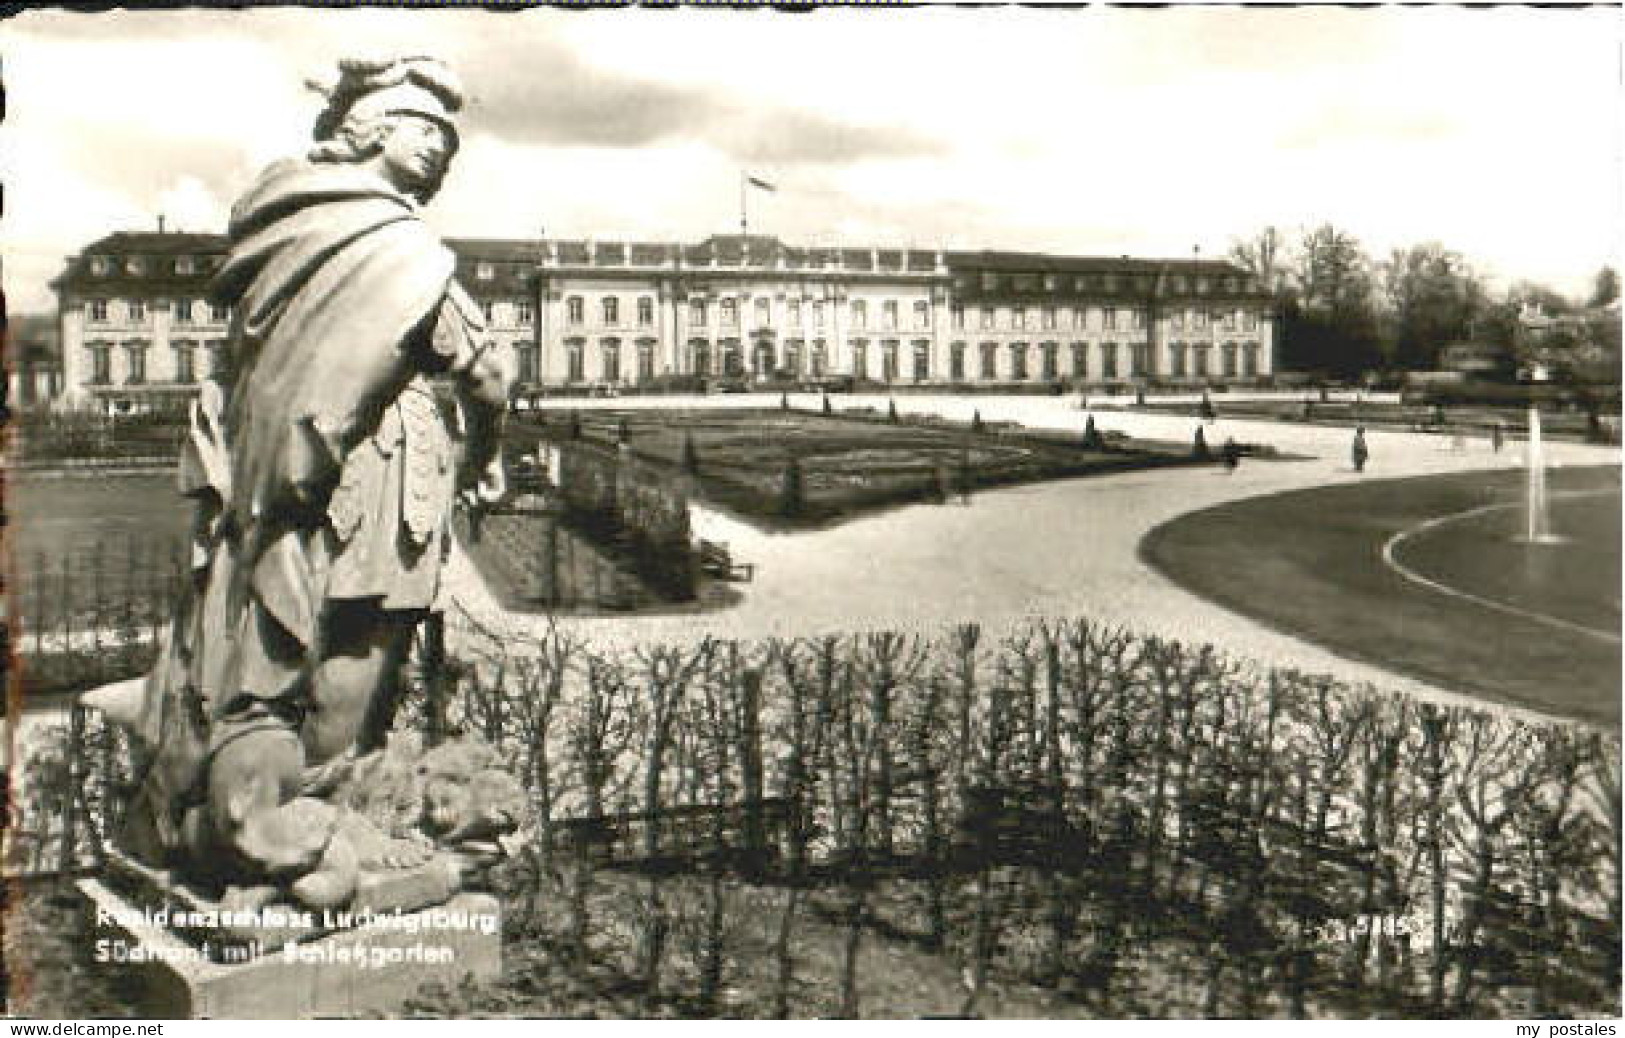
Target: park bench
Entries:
(685, 830)
(717, 561)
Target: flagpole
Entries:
(744, 221)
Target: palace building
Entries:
(138, 334)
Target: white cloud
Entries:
(1098, 130)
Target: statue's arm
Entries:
(481, 387)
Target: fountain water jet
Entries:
(1538, 524)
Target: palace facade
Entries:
(138, 334)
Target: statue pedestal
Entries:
(367, 970)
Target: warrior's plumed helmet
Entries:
(369, 88)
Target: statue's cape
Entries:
(329, 271)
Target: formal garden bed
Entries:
(799, 469)
(1562, 419)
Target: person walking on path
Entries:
(1231, 453)
(1360, 451)
(1497, 436)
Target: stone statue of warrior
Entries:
(324, 471)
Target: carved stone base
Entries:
(367, 970)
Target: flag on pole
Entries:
(757, 182)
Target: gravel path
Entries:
(1066, 548)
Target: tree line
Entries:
(1344, 312)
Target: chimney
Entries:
(160, 223)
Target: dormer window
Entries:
(134, 265)
(183, 265)
(484, 271)
(98, 266)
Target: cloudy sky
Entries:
(1089, 131)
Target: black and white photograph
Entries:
(812, 512)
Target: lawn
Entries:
(849, 463)
(1310, 563)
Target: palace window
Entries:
(1080, 360)
(217, 357)
(986, 323)
(574, 310)
(888, 315)
(1142, 360)
(575, 364)
(860, 313)
(990, 360)
(1176, 356)
(1176, 319)
(1249, 360)
(646, 360)
(696, 311)
(527, 356)
(487, 310)
(956, 362)
(185, 367)
(137, 310)
(1228, 353)
(922, 360)
(1049, 319)
(1249, 320)
(1201, 352)
(764, 313)
(730, 313)
(795, 313)
(183, 311)
(523, 313)
(860, 358)
(702, 356)
(611, 307)
(1018, 361)
(818, 313)
(922, 314)
(956, 316)
(1049, 353)
(135, 356)
(1018, 318)
(1199, 318)
(610, 356)
(98, 310)
(219, 312)
(1136, 320)
(820, 358)
(101, 363)
(1108, 360)
(888, 360)
(646, 312)
(1109, 318)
